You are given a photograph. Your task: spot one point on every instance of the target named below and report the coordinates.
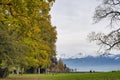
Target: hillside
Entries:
(105, 62)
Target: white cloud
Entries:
(73, 20)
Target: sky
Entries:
(74, 21)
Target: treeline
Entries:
(27, 38)
(58, 66)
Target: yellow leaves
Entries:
(31, 43)
(2, 17)
(32, 61)
(14, 13)
(1, 10)
(43, 54)
(36, 29)
(5, 1)
(29, 33)
(31, 28)
(26, 20)
(27, 40)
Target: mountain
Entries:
(105, 62)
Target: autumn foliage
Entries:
(27, 37)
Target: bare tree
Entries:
(110, 10)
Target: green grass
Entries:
(86, 76)
(67, 76)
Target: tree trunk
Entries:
(35, 70)
(17, 70)
(4, 72)
(22, 71)
(38, 70)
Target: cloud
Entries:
(73, 20)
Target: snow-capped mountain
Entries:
(104, 62)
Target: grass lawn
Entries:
(67, 76)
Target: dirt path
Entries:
(23, 78)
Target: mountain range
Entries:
(104, 62)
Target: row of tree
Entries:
(27, 37)
(56, 66)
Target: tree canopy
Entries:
(27, 37)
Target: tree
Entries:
(109, 9)
(10, 49)
(28, 36)
(60, 65)
(53, 67)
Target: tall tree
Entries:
(109, 10)
(28, 32)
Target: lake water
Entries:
(104, 68)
